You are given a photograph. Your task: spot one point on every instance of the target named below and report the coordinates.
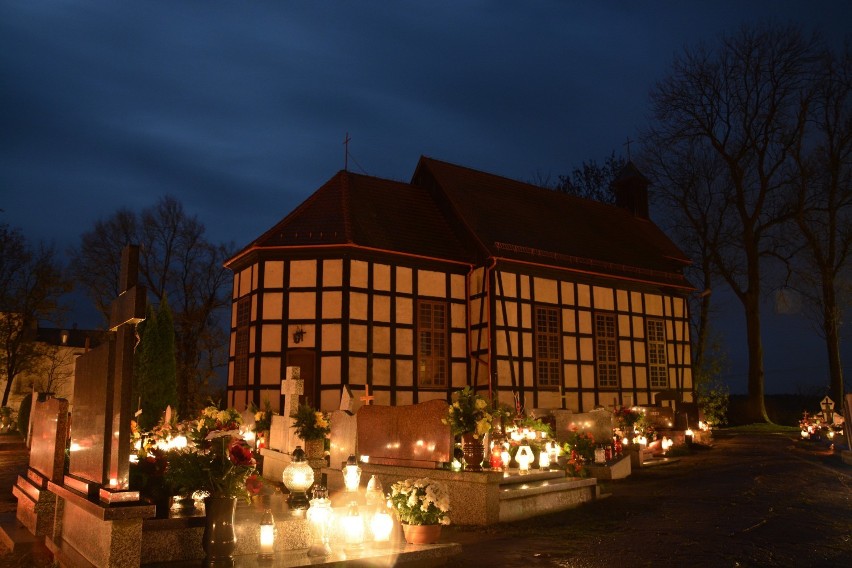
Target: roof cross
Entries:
(628, 143)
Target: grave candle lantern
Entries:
(267, 536)
(688, 435)
(544, 460)
(351, 474)
(524, 457)
(298, 478)
(496, 460)
(505, 457)
(353, 528)
(381, 525)
(375, 496)
(320, 515)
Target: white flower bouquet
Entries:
(421, 501)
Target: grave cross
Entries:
(291, 387)
(125, 312)
(367, 398)
(827, 409)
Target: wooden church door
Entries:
(304, 359)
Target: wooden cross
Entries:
(291, 387)
(367, 398)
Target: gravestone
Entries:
(659, 417)
(847, 422)
(98, 517)
(279, 432)
(688, 415)
(410, 436)
(597, 422)
(100, 429)
(36, 504)
(343, 437)
(563, 419)
(601, 427)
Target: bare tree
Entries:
(31, 284)
(823, 207)
(686, 184)
(745, 103)
(591, 180)
(175, 260)
(54, 369)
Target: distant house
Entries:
(458, 278)
(53, 371)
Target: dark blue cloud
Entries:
(239, 109)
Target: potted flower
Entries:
(422, 505)
(312, 426)
(262, 423)
(470, 417)
(221, 464)
(580, 447)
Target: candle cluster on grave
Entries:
(823, 425)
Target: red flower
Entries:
(254, 484)
(239, 453)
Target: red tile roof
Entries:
(462, 215)
(519, 221)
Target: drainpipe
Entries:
(486, 303)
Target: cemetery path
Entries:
(750, 500)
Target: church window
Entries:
(657, 365)
(432, 369)
(547, 357)
(606, 350)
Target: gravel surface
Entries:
(757, 500)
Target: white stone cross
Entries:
(291, 387)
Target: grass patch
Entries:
(761, 428)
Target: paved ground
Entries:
(750, 501)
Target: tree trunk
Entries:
(756, 404)
(831, 325)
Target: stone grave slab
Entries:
(563, 419)
(660, 417)
(36, 509)
(688, 415)
(343, 437)
(598, 422)
(50, 431)
(89, 426)
(601, 427)
(278, 432)
(411, 436)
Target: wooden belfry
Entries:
(99, 465)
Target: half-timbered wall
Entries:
(587, 342)
(354, 320)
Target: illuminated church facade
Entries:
(414, 290)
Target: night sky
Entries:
(239, 110)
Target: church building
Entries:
(411, 291)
